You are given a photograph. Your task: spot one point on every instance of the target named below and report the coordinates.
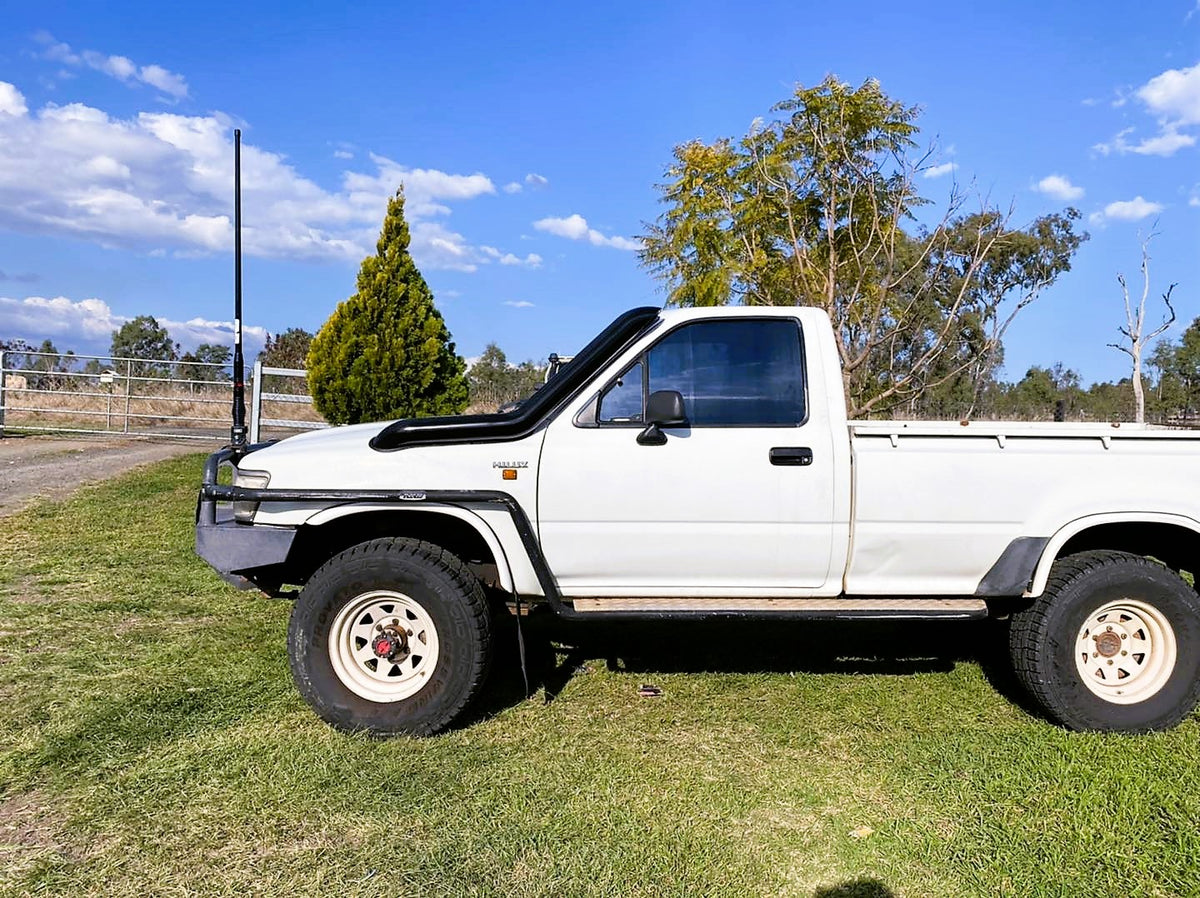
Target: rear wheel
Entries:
(1112, 644)
(391, 636)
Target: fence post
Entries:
(3, 379)
(255, 401)
(128, 382)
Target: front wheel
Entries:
(1112, 644)
(392, 636)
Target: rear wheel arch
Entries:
(1172, 539)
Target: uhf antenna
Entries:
(237, 433)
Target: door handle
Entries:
(800, 456)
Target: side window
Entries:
(733, 373)
(622, 401)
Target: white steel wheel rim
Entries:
(352, 639)
(1125, 651)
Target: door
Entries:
(738, 501)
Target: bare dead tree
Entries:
(1134, 330)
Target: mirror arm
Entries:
(652, 436)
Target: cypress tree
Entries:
(386, 352)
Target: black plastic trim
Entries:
(1014, 569)
(535, 411)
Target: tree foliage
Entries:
(147, 341)
(198, 365)
(287, 350)
(493, 381)
(386, 352)
(820, 207)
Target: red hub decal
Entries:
(384, 646)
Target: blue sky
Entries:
(529, 137)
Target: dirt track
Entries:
(50, 467)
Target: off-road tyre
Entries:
(444, 593)
(1058, 642)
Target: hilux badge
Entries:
(510, 464)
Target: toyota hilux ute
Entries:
(698, 463)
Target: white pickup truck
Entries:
(699, 463)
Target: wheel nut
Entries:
(1108, 629)
(1123, 652)
(1124, 635)
(1110, 660)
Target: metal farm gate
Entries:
(66, 393)
(281, 386)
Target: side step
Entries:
(915, 607)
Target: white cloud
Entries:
(106, 167)
(1165, 144)
(512, 187)
(89, 323)
(122, 68)
(1173, 97)
(167, 82)
(519, 304)
(191, 333)
(1126, 210)
(342, 154)
(12, 101)
(87, 320)
(1174, 94)
(162, 181)
(533, 179)
(936, 171)
(575, 227)
(1059, 187)
(533, 260)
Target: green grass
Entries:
(151, 743)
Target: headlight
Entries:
(255, 480)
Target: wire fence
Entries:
(44, 392)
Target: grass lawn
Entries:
(151, 743)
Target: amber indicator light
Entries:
(510, 474)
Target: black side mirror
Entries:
(664, 408)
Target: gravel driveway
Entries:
(50, 467)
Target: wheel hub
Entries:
(1125, 651)
(1108, 643)
(390, 644)
(383, 646)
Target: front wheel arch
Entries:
(457, 530)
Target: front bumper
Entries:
(250, 556)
